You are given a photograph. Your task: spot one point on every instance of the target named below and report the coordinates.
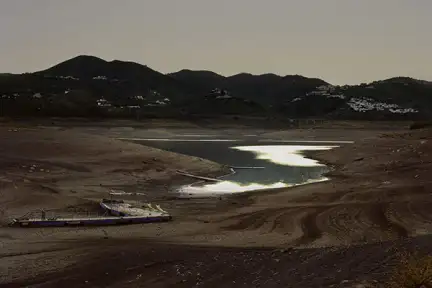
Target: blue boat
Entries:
(95, 221)
(121, 214)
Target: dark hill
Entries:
(267, 89)
(90, 86)
(199, 82)
(79, 67)
(93, 68)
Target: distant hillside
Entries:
(90, 86)
(90, 67)
(266, 89)
(199, 82)
(131, 77)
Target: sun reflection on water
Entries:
(287, 155)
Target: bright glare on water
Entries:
(285, 155)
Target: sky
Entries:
(339, 41)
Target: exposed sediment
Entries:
(376, 204)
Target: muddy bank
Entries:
(378, 191)
(51, 169)
(135, 263)
(339, 233)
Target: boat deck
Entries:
(95, 221)
(121, 213)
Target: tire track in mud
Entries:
(311, 231)
(284, 219)
(414, 215)
(421, 210)
(339, 221)
(342, 222)
(251, 221)
(378, 214)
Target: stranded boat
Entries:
(121, 212)
(120, 208)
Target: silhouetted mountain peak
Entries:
(79, 66)
(250, 75)
(115, 87)
(80, 60)
(88, 67)
(194, 73)
(404, 80)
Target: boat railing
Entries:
(54, 215)
(58, 215)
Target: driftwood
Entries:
(198, 177)
(236, 167)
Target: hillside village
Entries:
(125, 89)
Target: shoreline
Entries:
(346, 227)
(309, 154)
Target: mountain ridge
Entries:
(119, 84)
(90, 57)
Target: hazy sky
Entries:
(340, 41)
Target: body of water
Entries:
(278, 164)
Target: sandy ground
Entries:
(343, 232)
